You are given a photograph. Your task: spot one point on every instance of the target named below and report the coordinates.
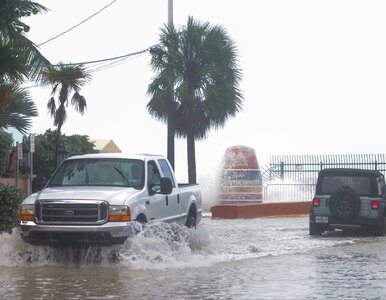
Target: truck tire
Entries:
(345, 204)
(141, 220)
(315, 229)
(191, 221)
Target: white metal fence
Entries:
(292, 178)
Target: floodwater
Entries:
(222, 259)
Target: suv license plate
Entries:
(320, 219)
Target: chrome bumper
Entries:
(109, 233)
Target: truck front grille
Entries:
(72, 212)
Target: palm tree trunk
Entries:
(191, 158)
(57, 143)
(171, 132)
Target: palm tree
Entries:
(17, 113)
(19, 57)
(162, 105)
(202, 60)
(68, 78)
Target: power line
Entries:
(85, 20)
(106, 66)
(108, 59)
(102, 67)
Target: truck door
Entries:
(173, 206)
(156, 204)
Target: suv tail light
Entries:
(375, 204)
(316, 202)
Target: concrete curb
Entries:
(250, 211)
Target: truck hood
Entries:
(113, 195)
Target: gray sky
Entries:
(314, 74)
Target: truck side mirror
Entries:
(166, 185)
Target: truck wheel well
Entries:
(141, 219)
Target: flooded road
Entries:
(222, 259)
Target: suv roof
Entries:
(333, 185)
(349, 171)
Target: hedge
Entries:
(10, 199)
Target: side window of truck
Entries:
(166, 170)
(153, 177)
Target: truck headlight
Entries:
(27, 212)
(118, 213)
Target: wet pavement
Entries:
(222, 259)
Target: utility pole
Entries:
(171, 117)
(170, 12)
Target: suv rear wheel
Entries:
(345, 204)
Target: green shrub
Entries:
(10, 199)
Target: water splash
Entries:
(170, 246)
(161, 245)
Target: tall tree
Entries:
(202, 61)
(68, 79)
(19, 110)
(162, 105)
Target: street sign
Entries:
(19, 151)
(32, 142)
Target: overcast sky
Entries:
(314, 74)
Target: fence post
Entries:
(282, 171)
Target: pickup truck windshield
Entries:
(100, 172)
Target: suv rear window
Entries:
(361, 184)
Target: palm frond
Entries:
(51, 106)
(79, 102)
(20, 109)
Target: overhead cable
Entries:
(108, 59)
(64, 32)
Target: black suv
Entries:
(348, 199)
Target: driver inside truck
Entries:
(154, 178)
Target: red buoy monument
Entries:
(241, 180)
(241, 189)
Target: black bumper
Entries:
(71, 238)
(357, 221)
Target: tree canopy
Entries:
(18, 110)
(19, 56)
(198, 63)
(64, 80)
(44, 163)
(20, 59)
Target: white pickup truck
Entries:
(101, 199)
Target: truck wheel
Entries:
(345, 204)
(315, 229)
(191, 220)
(141, 222)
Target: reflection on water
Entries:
(222, 259)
